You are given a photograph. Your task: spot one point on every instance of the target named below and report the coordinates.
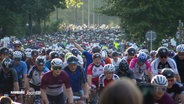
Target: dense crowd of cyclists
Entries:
(79, 75)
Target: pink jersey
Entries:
(139, 70)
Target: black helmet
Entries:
(4, 50)
(115, 54)
(131, 51)
(123, 66)
(7, 63)
(53, 55)
(34, 53)
(171, 53)
(75, 51)
(96, 49)
(48, 51)
(96, 55)
(40, 60)
(72, 60)
(168, 72)
(162, 52)
(61, 54)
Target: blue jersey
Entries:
(47, 64)
(21, 69)
(77, 78)
(89, 59)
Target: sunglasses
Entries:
(160, 88)
(17, 59)
(163, 57)
(170, 80)
(57, 67)
(16, 46)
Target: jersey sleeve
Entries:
(173, 66)
(89, 69)
(43, 84)
(83, 76)
(154, 67)
(148, 66)
(132, 64)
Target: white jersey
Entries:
(157, 66)
(116, 63)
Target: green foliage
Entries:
(139, 16)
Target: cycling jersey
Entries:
(53, 85)
(21, 69)
(103, 82)
(176, 89)
(166, 99)
(139, 70)
(77, 78)
(157, 66)
(47, 64)
(95, 72)
(29, 64)
(7, 80)
(180, 64)
(34, 75)
(89, 59)
(116, 64)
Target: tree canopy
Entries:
(139, 16)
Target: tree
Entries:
(139, 16)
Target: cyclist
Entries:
(115, 59)
(52, 84)
(52, 55)
(174, 88)
(152, 56)
(4, 52)
(105, 57)
(107, 77)
(124, 70)
(8, 77)
(17, 47)
(141, 67)
(31, 61)
(179, 59)
(163, 61)
(95, 69)
(130, 54)
(76, 53)
(77, 78)
(35, 73)
(160, 84)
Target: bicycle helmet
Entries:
(109, 68)
(17, 54)
(115, 54)
(131, 51)
(74, 51)
(72, 60)
(180, 48)
(48, 51)
(104, 54)
(7, 63)
(57, 62)
(96, 55)
(159, 80)
(34, 53)
(153, 53)
(171, 53)
(123, 66)
(96, 49)
(40, 60)
(142, 57)
(4, 50)
(17, 42)
(53, 54)
(162, 52)
(168, 72)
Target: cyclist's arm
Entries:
(15, 80)
(16, 86)
(44, 96)
(89, 77)
(86, 89)
(76, 45)
(69, 94)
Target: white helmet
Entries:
(57, 62)
(109, 68)
(180, 48)
(159, 80)
(104, 54)
(17, 54)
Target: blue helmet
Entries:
(142, 57)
